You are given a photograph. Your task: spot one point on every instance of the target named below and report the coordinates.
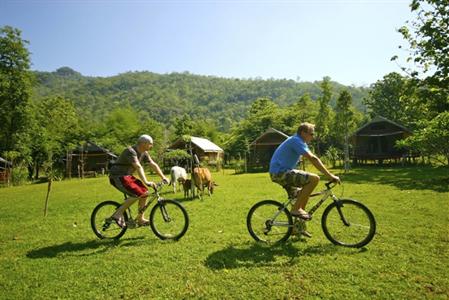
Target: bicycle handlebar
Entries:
(330, 184)
(159, 185)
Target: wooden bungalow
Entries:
(375, 141)
(205, 150)
(5, 171)
(262, 148)
(88, 160)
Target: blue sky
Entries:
(350, 41)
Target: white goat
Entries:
(177, 174)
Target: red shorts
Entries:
(129, 185)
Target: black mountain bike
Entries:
(168, 219)
(345, 222)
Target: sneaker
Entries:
(143, 222)
(306, 233)
(120, 221)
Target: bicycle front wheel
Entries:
(169, 220)
(102, 223)
(270, 222)
(348, 223)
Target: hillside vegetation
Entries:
(166, 96)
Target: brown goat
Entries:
(187, 186)
(203, 178)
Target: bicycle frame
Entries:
(327, 192)
(151, 197)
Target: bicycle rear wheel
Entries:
(269, 221)
(348, 223)
(169, 220)
(102, 223)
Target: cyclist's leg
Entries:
(128, 202)
(310, 184)
(142, 201)
(132, 187)
(297, 178)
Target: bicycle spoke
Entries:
(169, 220)
(102, 223)
(268, 222)
(350, 224)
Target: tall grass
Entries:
(59, 256)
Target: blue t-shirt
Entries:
(287, 155)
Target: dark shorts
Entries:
(129, 185)
(292, 178)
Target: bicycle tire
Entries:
(261, 226)
(359, 230)
(102, 224)
(172, 222)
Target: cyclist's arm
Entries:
(141, 173)
(156, 168)
(317, 163)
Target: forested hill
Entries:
(165, 96)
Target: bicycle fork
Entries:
(164, 212)
(339, 205)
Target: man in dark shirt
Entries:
(121, 177)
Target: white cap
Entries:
(145, 138)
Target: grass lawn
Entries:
(60, 257)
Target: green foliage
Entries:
(177, 154)
(263, 114)
(15, 89)
(427, 37)
(55, 129)
(323, 118)
(123, 126)
(432, 139)
(396, 98)
(171, 96)
(19, 175)
(332, 155)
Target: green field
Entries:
(60, 257)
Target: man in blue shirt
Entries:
(283, 164)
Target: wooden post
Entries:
(48, 195)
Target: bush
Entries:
(332, 155)
(19, 175)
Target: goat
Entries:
(203, 178)
(187, 186)
(177, 174)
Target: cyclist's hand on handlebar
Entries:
(335, 179)
(152, 184)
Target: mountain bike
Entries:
(345, 222)
(168, 219)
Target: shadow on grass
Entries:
(79, 249)
(259, 255)
(405, 178)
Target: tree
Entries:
(304, 110)
(432, 139)
(183, 125)
(396, 98)
(55, 130)
(344, 122)
(15, 89)
(123, 126)
(323, 118)
(429, 45)
(263, 114)
(428, 36)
